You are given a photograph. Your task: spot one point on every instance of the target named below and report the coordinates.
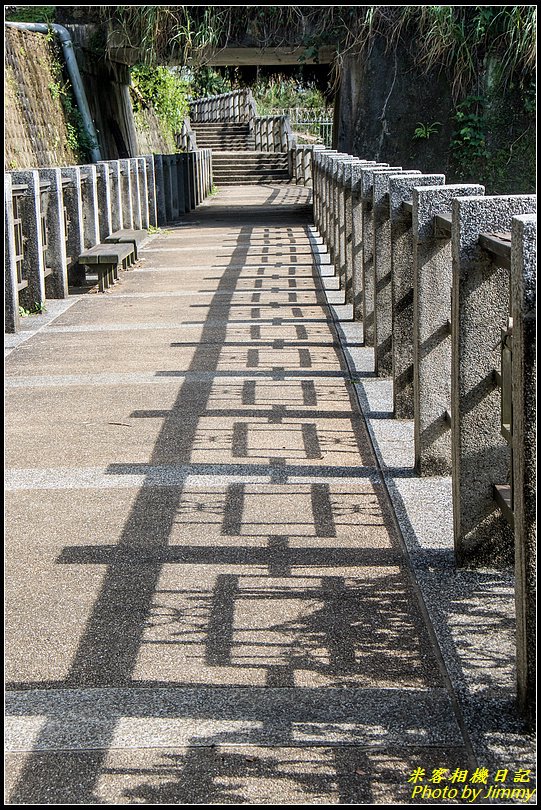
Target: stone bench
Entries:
(105, 259)
(127, 237)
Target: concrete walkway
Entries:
(209, 599)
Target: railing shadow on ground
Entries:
(335, 632)
(471, 611)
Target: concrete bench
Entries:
(105, 259)
(127, 236)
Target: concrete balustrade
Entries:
(73, 203)
(234, 106)
(272, 133)
(143, 191)
(433, 298)
(53, 215)
(151, 191)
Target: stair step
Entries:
(251, 169)
(262, 181)
(242, 178)
(249, 164)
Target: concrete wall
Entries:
(34, 125)
(382, 99)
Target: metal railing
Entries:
(308, 124)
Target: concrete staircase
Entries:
(223, 136)
(234, 159)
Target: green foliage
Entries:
(493, 141)
(468, 141)
(424, 131)
(286, 92)
(39, 14)
(206, 81)
(165, 91)
(455, 38)
(38, 308)
(155, 231)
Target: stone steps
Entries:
(223, 136)
(241, 168)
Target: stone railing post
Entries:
(159, 180)
(89, 196)
(180, 185)
(105, 213)
(175, 187)
(73, 203)
(383, 349)
(126, 192)
(368, 280)
(347, 174)
(523, 311)
(401, 189)
(167, 187)
(480, 308)
(143, 192)
(11, 300)
(432, 276)
(357, 237)
(328, 207)
(55, 255)
(115, 193)
(185, 181)
(135, 192)
(151, 188)
(33, 263)
(336, 212)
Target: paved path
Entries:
(208, 599)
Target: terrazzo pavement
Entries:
(209, 596)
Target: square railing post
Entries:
(56, 284)
(160, 185)
(11, 299)
(357, 237)
(33, 262)
(126, 193)
(367, 228)
(183, 197)
(383, 330)
(401, 189)
(480, 308)
(143, 192)
(105, 214)
(75, 238)
(432, 277)
(151, 189)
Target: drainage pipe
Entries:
(73, 72)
